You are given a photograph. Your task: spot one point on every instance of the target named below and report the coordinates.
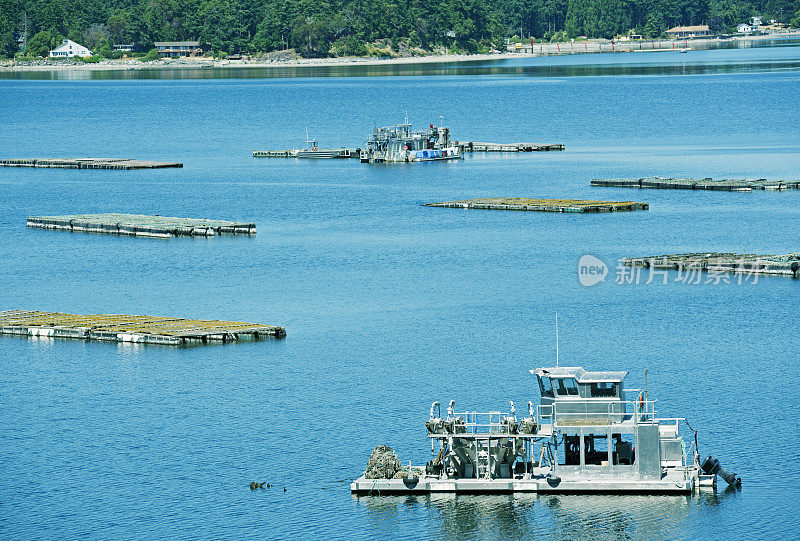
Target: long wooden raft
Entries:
(786, 265)
(476, 146)
(723, 185)
(542, 205)
(89, 163)
(137, 329)
(141, 225)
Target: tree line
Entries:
(358, 27)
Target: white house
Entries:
(748, 29)
(68, 49)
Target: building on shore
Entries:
(754, 27)
(689, 31)
(70, 49)
(128, 47)
(177, 49)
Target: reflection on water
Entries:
(528, 515)
(697, 62)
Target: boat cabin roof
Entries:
(581, 375)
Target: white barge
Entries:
(401, 144)
(583, 437)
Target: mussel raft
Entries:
(583, 437)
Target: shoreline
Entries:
(545, 49)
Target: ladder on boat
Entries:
(482, 456)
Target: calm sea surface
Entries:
(389, 305)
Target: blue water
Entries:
(389, 305)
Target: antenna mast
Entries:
(556, 339)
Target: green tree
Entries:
(655, 24)
(8, 45)
(43, 42)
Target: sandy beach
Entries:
(277, 59)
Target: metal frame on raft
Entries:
(400, 143)
(569, 443)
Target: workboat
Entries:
(584, 436)
(401, 144)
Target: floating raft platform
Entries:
(319, 153)
(723, 185)
(750, 264)
(474, 146)
(90, 163)
(136, 329)
(542, 205)
(139, 225)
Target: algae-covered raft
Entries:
(713, 262)
(126, 328)
(140, 225)
(721, 185)
(125, 164)
(542, 205)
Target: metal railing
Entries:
(616, 412)
(491, 422)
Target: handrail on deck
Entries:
(639, 410)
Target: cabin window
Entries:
(545, 386)
(603, 388)
(566, 386)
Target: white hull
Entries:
(323, 153)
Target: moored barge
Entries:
(402, 144)
(585, 436)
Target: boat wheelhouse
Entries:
(401, 144)
(589, 434)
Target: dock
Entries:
(319, 153)
(713, 262)
(90, 163)
(542, 205)
(723, 185)
(139, 225)
(474, 146)
(135, 329)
